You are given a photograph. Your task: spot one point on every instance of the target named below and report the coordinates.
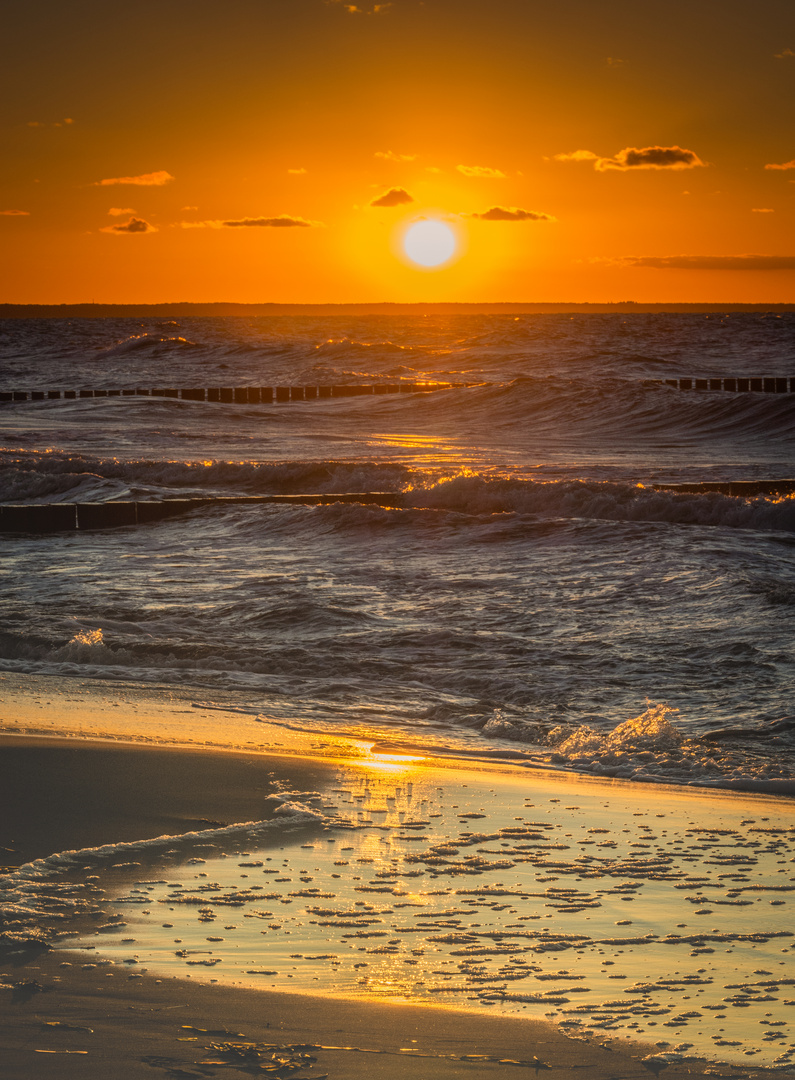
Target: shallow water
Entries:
(529, 582)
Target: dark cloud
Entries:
(134, 225)
(512, 213)
(647, 157)
(283, 221)
(712, 262)
(651, 157)
(394, 197)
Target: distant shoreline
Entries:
(186, 309)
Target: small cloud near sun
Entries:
(512, 213)
(120, 211)
(283, 221)
(390, 155)
(783, 166)
(152, 179)
(632, 157)
(394, 197)
(134, 225)
(762, 210)
(482, 171)
(14, 213)
(707, 262)
(297, 172)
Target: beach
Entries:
(510, 756)
(372, 845)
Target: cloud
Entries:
(283, 221)
(354, 9)
(134, 225)
(14, 213)
(67, 120)
(482, 171)
(152, 179)
(613, 61)
(647, 157)
(394, 197)
(651, 157)
(578, 155)
(712, 262)
(783, 167)
(762, 210)
(390, 155)
(118, 211)
(513, 213)
(784, 54)
(297, 172)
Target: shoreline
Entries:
(76, 794)
(153, 715)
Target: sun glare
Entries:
(429, 243)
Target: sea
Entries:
(535, 588)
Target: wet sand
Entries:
(61, 794)
(81, 1025)
(64, 794)
(59, 1019)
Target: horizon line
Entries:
(375, 307)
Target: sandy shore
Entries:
(62, 1020)
(594, 847)
(61, 794)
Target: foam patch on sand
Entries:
(660, 916)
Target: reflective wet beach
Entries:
(659, 917)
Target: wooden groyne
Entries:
(270, 395)
(744, 489)
(241, 395)
(761, 384)
(66, 517)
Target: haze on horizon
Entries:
(278, 150)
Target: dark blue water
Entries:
(530, 591)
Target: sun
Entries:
(429, 242)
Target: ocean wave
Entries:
(650, 748)
(147, 342)
(54, 477)
(44, 476)
(606, 500)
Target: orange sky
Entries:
(134, 133)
